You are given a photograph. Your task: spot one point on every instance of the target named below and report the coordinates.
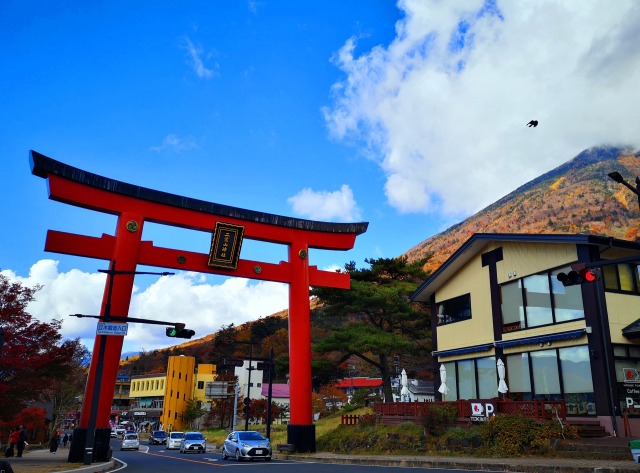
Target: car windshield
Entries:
(194, 436)
(131, 437)
(250, 436)
(177, 435)
(159, 434)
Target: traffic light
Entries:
(583, 276)
(180, 332)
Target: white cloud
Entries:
(176, 143)
(443, 108)
(185, 297)
(195, 59)
(324, 205)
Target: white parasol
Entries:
(404, 392)
(443, 389)
(502, 385)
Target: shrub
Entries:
(437, 418)
(507, 435)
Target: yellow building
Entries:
(147, 393)
(184, 383)
(505, 325)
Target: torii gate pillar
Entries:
(229, 225)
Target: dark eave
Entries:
(43, 166)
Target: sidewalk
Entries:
(524, 465)
(43, 461)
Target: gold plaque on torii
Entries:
(226, 242)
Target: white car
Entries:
(174, 439)
(130, 441)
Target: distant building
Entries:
(158, 401)
(280, 396)
(351, 385)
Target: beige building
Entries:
(498, 300)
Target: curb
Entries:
(523, 465)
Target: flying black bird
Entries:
(533, 123)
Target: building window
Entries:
(621, 277)
(487, 377)
(564, 373)
(454, 310)
(546, 378)
(200, 384)
(537, 300)
(467, 379)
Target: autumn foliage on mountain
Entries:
(576, 197)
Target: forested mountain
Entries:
(576, 197)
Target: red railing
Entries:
(538, 409)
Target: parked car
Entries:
(130, 441)
(193, 442)
(158, 437)
(113, 432)
(174, 440)
(248, 444)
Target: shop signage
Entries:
(481, 410)
(139, 413)
(629, 391)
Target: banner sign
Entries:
(225, 245)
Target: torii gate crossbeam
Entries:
(135, 205)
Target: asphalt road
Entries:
(156, 459)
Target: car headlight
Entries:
(246, 445)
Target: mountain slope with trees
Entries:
(576, 197)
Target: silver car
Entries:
(130, 441)
(248, 444)
(193, 442)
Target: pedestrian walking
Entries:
(65, 440)
(22, 441)
(53, 443)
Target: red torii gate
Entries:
(135, 205)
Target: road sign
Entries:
(111, 328)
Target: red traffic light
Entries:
(589, 275)
(583, 276)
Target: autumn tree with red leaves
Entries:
(33, 357)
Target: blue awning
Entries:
(542, 338)
(464, 351)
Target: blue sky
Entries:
(410, 116)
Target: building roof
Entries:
(360, 383)
(479, 241)
(277, 390)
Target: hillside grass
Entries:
(324, 425)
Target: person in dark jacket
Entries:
(22, 440)
(53, 443)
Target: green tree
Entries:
(375, 321)
(192, 412)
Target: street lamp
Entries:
(616, 176)
(95, 398)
